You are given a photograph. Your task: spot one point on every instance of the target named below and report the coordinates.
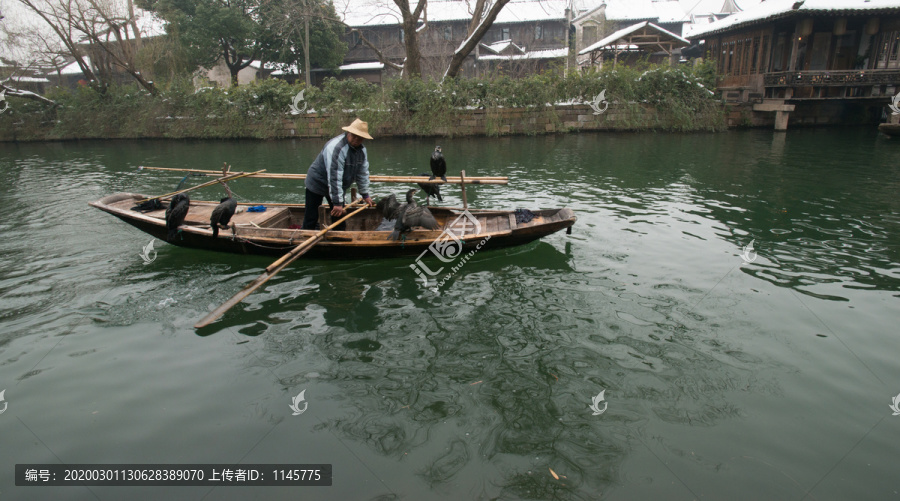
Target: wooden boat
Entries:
(890, 129)
(271, 233)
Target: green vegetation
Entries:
(658, 98)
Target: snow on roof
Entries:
(359, 13)
(624, 32)
(536, 54)
(73, 69)
(773, 9)
(269, 65)
(29, 79)
(371, 65)
(632, 10)
(669, 11)
(498, 47)
(362, 66)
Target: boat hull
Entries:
(271, 234)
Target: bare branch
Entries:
(381, 57)
(469, 44)
(11, 91)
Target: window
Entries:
(448, 32)
(354, 39)
(504, 33)
(754, 63)
(588, 35)
(402, 35)
(539, 32)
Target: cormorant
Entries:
(432, 190)
(411, 215)
(148, 206)
(221, 215)
(175, 214)
(438, 165)
(388, 207)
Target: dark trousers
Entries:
(311, 215)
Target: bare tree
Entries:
(101, 26)
(116, 35)
(483, 18)
(59, 18)
(414, 20)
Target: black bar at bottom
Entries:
(35, 475)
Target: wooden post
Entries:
(352, 194)
(462, 184)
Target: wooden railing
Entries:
(838, 78)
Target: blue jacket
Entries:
(336, 168)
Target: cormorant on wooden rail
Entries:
(411, 215)
(175, 214)
(221, 215)
(432, 190)
(438, 165)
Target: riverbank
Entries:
(627, 99)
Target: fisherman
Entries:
(341, 162)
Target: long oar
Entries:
(208, 183)
(275, 267)
(372, 178)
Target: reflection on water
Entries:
(479, 390)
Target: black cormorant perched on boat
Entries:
(221, 215)
(175, 214)
(438, 165)
(388, 207)
(432, 190)
(149, 206)
(411, 215)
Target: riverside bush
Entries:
(681, 96)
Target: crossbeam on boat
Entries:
(374, 179)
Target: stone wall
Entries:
(504, 121)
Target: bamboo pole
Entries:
(462, 185)
(273, 269)
(374, 179)
(208, 183)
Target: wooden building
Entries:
(609, 16)
(630, 44)
(807, 50)
(532, 28)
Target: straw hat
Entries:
(359, 128)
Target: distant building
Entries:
(643, 40)
(527, 36)
(607, 17)
(646, 21)
(807, 50)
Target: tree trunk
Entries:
(412, 67)
(306, 50)
(474, 39)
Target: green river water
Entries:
(727, 380)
